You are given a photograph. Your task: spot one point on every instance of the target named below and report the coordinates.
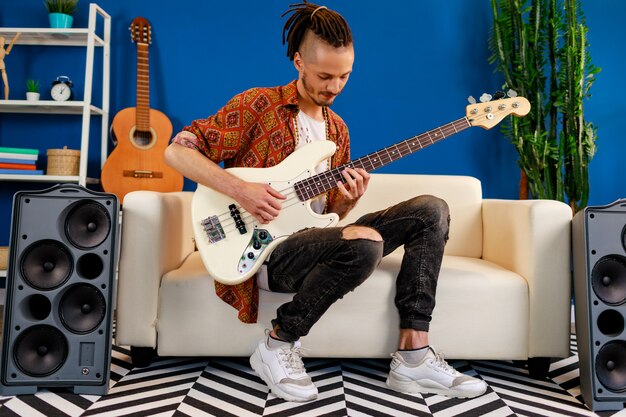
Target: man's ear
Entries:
(298, 62)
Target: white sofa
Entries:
(503, 293)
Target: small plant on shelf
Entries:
(61, 6)
(32, 90)
(32, 86)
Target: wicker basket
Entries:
(63, 161)
(4, 257)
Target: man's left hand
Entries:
(355, 184)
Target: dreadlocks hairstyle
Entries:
(325, 23)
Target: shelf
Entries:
(46, 106)
(43, 36)
(45, 178)
(88, 39)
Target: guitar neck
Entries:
(143, 89)
(326, 181)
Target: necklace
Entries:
(326, 128)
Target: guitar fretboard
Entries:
(143, 89)
(326, 181)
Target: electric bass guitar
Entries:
(233, 245)
(142, 134)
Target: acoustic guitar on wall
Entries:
(142, 134)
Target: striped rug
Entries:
(228, 387)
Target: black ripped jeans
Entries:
(321, 266)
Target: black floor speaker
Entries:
(599, 249)
(60, 289)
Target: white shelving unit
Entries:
(86, 38)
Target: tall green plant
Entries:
(540, 48)
(578, 137)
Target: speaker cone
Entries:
(608, 279)
(611, 366)
(82, 308)
(87, 225)
(40, 350)
(46, 264)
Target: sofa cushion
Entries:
(480, 303)
(463, 195)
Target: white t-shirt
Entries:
(312, 130)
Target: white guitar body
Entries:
(231, 255)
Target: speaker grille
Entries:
(608, 279)
(82, 308)
(40, 350)
(87, 225)
(46, 264)
(611, 366)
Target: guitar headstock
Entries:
(141, 31)
(487, 114)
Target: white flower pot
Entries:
(30, 96)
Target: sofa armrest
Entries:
(532, 238)
(156, 237)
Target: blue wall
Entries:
(416, 62)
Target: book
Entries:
(17, 161)
(19, 150)
(17, 166)
(25, 156)
(21, 171)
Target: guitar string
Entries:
(447, 130)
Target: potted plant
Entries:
(32, 90)
(541, 49)
(60, 12)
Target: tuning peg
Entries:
(498, 95)
(471, 100)
(485, 98)
(511, 93)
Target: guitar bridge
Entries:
(213, 229)
(142, 174)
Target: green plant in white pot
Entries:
(32, 90)
(60, 12)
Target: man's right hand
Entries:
(260, 200)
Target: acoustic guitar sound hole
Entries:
(143, 139)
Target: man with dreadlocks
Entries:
(259, 128)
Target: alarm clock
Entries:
(62, 89)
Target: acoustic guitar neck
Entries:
(142, 118)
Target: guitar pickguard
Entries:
(261, 238)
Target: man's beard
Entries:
(315, 97)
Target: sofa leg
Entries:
(142, 356)
(538, 368)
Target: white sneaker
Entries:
(432, 375)
(283, 371)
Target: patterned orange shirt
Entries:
(256, 129)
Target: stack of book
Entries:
(19, 161)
